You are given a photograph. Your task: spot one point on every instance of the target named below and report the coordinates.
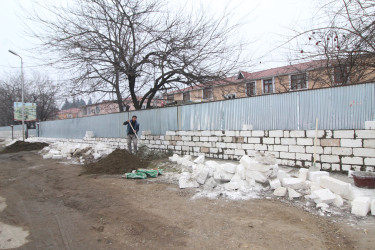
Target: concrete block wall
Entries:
(337, 150)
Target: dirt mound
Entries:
(19, 146)
(118, 162)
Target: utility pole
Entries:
(23, 103)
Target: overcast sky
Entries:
(267, 24)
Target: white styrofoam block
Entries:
(303, 172)
(187, 181)
(295, 183)
(256, 175)
(229, 167)
(47, 156)
(240, 170)
(293, 193)
(280, 191)
(275, 183)
(96, 156)
(187, 163)
(335, 185)
(315, 176)
(323, 196)
(281, 174)
(200, 159)
(361, 206)
(54, 152)
(373, 207)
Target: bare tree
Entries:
(37, 90)
(137, 48)
(346, 43)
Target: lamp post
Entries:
(23, 104)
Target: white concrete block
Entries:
(323, 196)
(330, 158)
(246, 161)
(276, 133)
(297, 133)
(370, 161)
(187, 163)
(338, 202)
(286, 155)
(369, 143)
(361, 206)
(295, 183)
(240, 170)
(367, 134)
(280, 191)
(351, 143)
(288, 141)
(343, 134)
(230, 133)
(323, 206)
(47, 156)
(245, 133)
(342, 151)
(229, 167)
(302, 173)
(315, 176)
(311, 133)
(210, 183)
(269, 140)
(369, 124)
(253, 140)
(304, 157)
(282, 174)
(256, 175)
(365, 152)
(352, 160)
(338, 187)
(222, 176)
(293, 193)
(57, 157)
(275, 183)
(239, 152)
(297, 149)
(281, 148)
(202, 175)
(257, 133)
(187, 181)
(206, 133)
(373, 207)
(305, 141)
(199, 159)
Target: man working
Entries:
(132, 131)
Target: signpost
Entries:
(30, 111)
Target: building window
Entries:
(97, 110)
(298, 81)
(170, 97)
(267, 86)
(230, 96)
(70, 116)
(207, 93)
(340, 75)
(250, 89)
(186, 96)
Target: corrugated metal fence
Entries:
(346, 107)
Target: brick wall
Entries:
(339, 150)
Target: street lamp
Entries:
(23, 105)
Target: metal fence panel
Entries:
(345, 107)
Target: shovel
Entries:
(133, 130)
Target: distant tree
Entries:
(346, 43)
(38, 89)
(89, 102)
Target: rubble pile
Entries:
(80, 151)
(259, 174)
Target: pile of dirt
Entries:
(118, 162)
(19, 146)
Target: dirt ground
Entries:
(64, 210)
(19, 146)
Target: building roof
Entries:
(246, 76)
(69, 111)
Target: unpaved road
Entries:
(62, 210)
